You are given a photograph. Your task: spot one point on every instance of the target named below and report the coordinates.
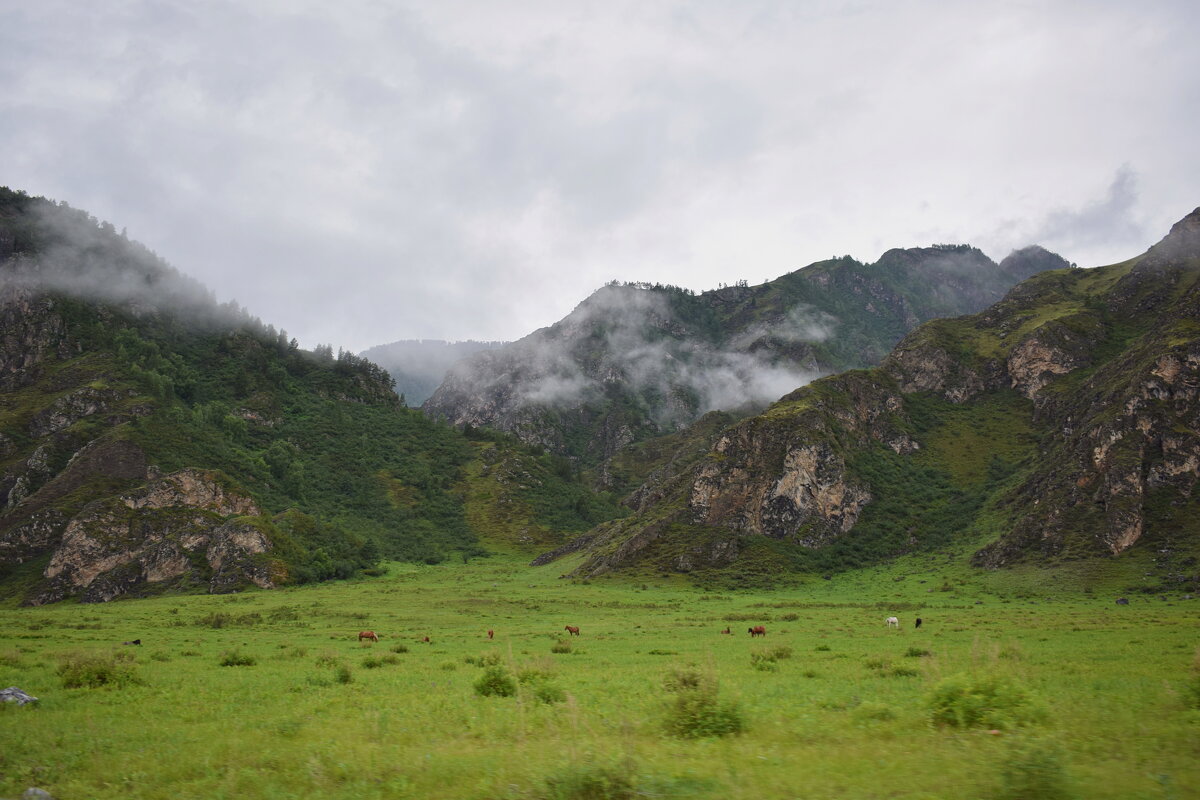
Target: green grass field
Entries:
(270, 695)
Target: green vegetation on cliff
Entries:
(114, 367)
(1062, 423)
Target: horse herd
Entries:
(573, 630)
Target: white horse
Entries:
(892, 622)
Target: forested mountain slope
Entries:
(1063, 422)
(634, 361)
(151, 438)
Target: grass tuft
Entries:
(97, 670)
(982, 701)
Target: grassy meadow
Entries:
(1060, 692)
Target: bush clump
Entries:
(1033, 771)
(591, 782)
(982, 701)
(483, 660)
(94, 670)
(236, 658)
(549, 693)
(696, 711)
(495, 681)
(560, 647)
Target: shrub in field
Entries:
(495, 681)
(548, 693)
(235, 658)
(683, 678)
(1033, 771)
(343, 674)
(219, 619)
(449, 666)
(982, 701)
(483, 660)
(93, 670)
(764, 661)
(696, 710)
(399, 648)
(822, 648)
(902, 672)
(372, 663)
(328, 660)
(560, 647)
(590, 782)
(916, 652)
(533, 675)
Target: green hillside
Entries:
(635, 360)
(116, 371)
(1061, 424)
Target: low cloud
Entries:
(631, 339)
(1109, 222)
(83, 258)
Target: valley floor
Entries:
(271, 695)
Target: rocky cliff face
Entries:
(110, 361)
(1096, 373)
(177, 530)
(186, 529)
(637, 361)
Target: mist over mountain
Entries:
(1060, 423)
(418, 366)
(634, 361)
(152, 439)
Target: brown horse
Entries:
(727, 631)
(491, 634)
(571, 629)
(372, 635)
(757, 630)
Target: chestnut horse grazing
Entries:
(757, 630)
(372, 635)
(491, 634)
(571, 629)
(727, 631)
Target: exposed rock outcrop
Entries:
(637, 361)
(175, 530)
(1106, 363)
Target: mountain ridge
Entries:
(1059, 423)
(633, 361)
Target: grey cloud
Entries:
(630, 337)
(464, 170)
(1111, 220)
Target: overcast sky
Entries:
(361, 172)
